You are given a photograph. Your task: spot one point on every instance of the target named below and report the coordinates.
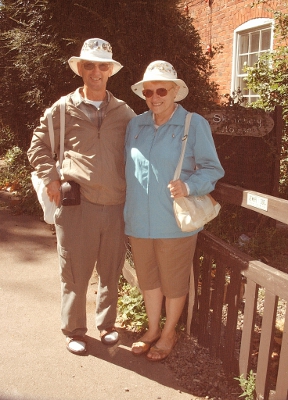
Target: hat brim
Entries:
(182, 92)
(73, 61)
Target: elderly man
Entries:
(91, 232)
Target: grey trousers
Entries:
(89, 235)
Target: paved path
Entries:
(34, 363)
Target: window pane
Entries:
(242, 85)
(254, 45)
(253, 58)
(243, 44)
(242, 61)
(266, 40)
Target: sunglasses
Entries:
(162, 92)
(90, 66)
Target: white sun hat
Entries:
(95, 50)
(161, 71)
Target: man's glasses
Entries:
(90, 66)
(162, 92)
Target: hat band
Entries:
(94, 55)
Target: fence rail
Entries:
(264, 204)
(215, 306)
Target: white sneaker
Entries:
(76, 345)
(109, 336)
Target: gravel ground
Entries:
(199, 373)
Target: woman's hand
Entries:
(177, 188)
(53, 191)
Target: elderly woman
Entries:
(162, 253)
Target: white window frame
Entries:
(248, 27)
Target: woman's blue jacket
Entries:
(151, 159)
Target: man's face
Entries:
(95, 75)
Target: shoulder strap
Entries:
(62, 128)
(51, 130)
(184, 141)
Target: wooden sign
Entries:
(240, 122)
(256, 201)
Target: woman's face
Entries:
(159, 104)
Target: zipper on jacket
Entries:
(99, 127)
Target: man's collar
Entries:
(78, 98)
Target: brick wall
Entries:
(216, 25)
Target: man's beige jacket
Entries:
(93, 157)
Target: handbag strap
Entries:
(184, 141)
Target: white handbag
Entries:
(49, 207)
(192, 212)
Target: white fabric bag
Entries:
(49, 207)
(192, 212)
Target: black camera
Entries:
(70, 193)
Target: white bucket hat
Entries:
(95, 50)
(161, 71)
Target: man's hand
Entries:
(177, 188)
(53, 191)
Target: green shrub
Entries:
(16, 175)
(268, 78)
(7, 140)
(131, 307)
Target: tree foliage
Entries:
(38, 37)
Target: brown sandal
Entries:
(143, 345)
(160, 354)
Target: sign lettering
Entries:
(257, 201)
(242, 122)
